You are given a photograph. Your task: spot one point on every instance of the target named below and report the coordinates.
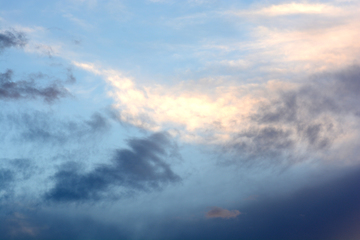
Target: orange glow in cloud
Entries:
(217, 212)
(158, 107)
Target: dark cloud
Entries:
(139, 168)
(12, 39)
(328, 210)
(28, 89)
(323, 211)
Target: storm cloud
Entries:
(141, 167)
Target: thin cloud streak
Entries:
(217, 212)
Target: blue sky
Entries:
(194, 119)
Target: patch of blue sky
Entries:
(163, 38)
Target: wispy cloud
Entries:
(217, 212)
(78, 21)
(10, 90)
(294, 8)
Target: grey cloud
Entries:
(321, 211)
(45, 129)
(310, 117)
(12, 172)
(327, 210)
(11, 90)
(141, 167)
(262, 143)
(333, 93)
(6, 176)
(12, 39)
(347, 82)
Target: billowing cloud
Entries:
(217, 212)
(13, 90)
(139, 168)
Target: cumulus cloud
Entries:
(141, 167)
(28, 89)
(217, 212)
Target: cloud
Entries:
(158, 107)
(297, 8)
(6, 176)
(328, 210)
(19, 226)
(10, 90)
(304, 122)
(288, 38)
(217, 212)
(35, 223)
(78, 21)
(12, 39)
(275, 122)
(139, 168)
(12, 173)
(45, 128)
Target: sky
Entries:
(191, 119)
